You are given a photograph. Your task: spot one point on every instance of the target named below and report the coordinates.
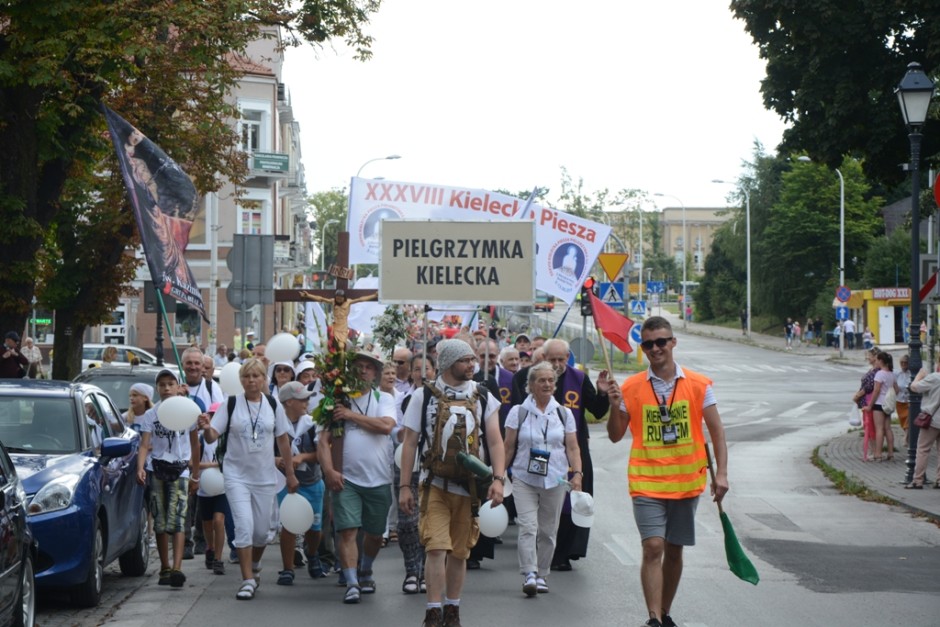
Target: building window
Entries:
(188, 323)
(251, 214)
(251, 130)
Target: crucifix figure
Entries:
(341, 306)
(342, 298)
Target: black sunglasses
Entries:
(284, 369)
(400, 362)
(659, 342)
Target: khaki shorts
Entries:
(446, 523)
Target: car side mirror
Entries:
(115, 447)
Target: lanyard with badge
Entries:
(668, 429)
(538, 458)
(255, 443)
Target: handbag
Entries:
(890, 402)
(922, 421)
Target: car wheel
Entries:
(88, 594)
(26, 607)
(134, 562)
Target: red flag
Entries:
(612, 325)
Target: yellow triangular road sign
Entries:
(612, 263)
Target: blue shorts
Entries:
(314, 495)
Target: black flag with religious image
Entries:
(164, 202)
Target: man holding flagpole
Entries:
(664, 408)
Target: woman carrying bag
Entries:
(929, 386)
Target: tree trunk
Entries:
(67, 346)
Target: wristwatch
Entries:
(578, 472)
(500, 478)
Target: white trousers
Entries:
(253, 512)
(537, 514)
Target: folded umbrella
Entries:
(738, 561)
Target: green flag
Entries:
(738, 561)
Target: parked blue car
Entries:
(77, 461)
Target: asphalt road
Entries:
(824, 558)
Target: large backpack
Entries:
(440, 458)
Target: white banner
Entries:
(567, 245)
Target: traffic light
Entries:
(589, 287)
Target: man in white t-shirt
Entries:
(197, 386)
(173, 475)
(362, 487)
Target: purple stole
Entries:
(504, 382)
(568, 393)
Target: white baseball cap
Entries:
(582, 509)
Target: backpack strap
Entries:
(523, 414)
(209, 388)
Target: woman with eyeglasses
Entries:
(541, 444)
(280, 373)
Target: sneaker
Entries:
(653, 623)
(529, 587)
(451, 616)
(188, 552)
(233, 556)
(177, 578)
(210, 558)
(668, 622)
(366, 582)
(299, 560)
(315, 568)
(352, 595)
(164, 577)
(473, 564)
(541, 586)
(200, 547)
(218, 567)
(433, 617)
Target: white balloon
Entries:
(296, 513)
(280, 482)
(229, 380)
(178, 413)
(212, 482)
(507, 488)
(493, 520)
(282, 347)
(398, 459)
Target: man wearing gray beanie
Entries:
(446, 525)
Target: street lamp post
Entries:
(685, 248)
(914, 94)
(747, 228)
(388, 158)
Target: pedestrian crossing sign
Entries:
(612, 294)
(638, 307)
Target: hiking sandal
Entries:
(410, 585)
(285, 578)
(247, 590)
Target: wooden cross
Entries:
(340, 270)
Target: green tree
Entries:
(832, 67)
(722, 293)
(888, 262)
(168, 69)
(329, 207)
(797, 253)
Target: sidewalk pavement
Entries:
(844, 453)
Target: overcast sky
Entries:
(661, 96)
